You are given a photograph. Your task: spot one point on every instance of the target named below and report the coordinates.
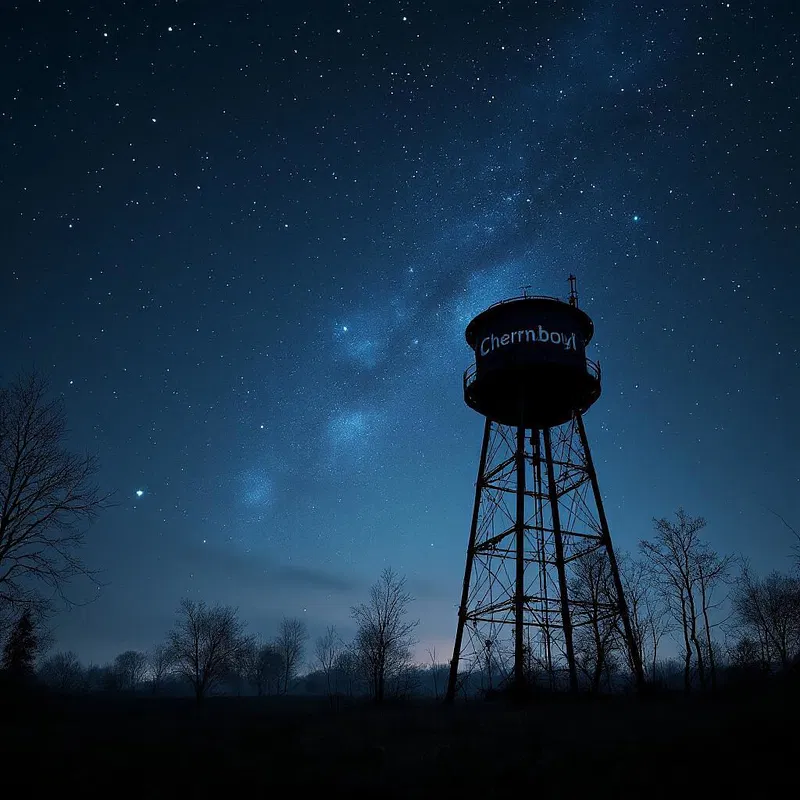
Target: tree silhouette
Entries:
(346, 670)
(268, 669)
(260, 665)
(767, 612)
(130, 669)
(290, 644)
(46, 495)
(326, 650)
(712, 570)
(596, 638)
(205, 644)
(62, 671)
(160, 660)
(438, 672)
(688, 571)
(241, 670)
(19, 652)
(650, 619)
(384, 638)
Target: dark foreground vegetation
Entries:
(738, 742)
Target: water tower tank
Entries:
(530, 362)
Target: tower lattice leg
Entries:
(542, 601)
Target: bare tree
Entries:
(290, 644)
(596, 638)
(269, 670)
(205, 644)
(46, 495)
(130, 668)
(62, 671)
(767, 612)
(346, 669)
(243, 666)
(384, 638)
(438, 672)
(237, 675)
(326, 650)
(257, 664)
(669, 557)
(712, 571)
(649, 615)
(160, 662)
(688, 571)
(746, 658)
(404, 682)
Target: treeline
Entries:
(208, 651)
(729, 625)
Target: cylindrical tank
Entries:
(530, 362)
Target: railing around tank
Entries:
(592, 367)
(469, 375)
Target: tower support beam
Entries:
(462, 608)
(538, 537)
(519, 600)
(566, 620)
(634, 652)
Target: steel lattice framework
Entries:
(537, 513)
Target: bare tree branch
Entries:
(596, 636)
(62, 671)
(205, 644)
(160, 661)
(130, 668)
(46, 495)
(687, 572)
(290, 644)
(265, 668)
(767, 612)
(384, 638)
(326, 649)
(794, 531)
(649, 613)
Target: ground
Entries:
(731, 745)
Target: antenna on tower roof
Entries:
(573, 291)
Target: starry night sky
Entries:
(243, 240)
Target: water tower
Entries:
(540, 567)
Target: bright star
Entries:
(139, 492)
(635, 217)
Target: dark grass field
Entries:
(732, 745)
